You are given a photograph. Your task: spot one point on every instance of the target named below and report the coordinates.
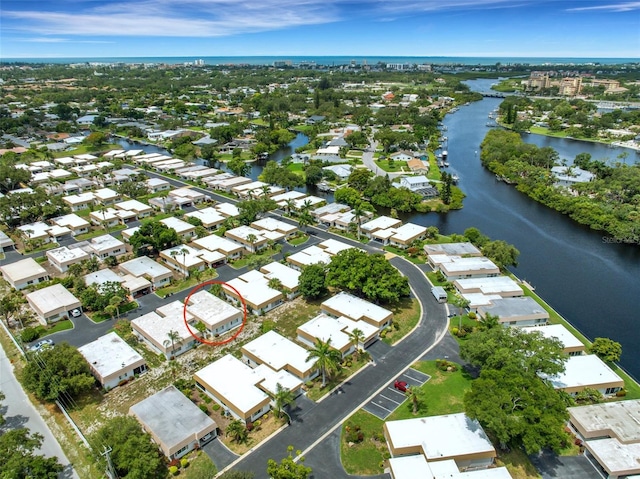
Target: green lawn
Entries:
(99, 232)
(59, 326)
(406, 314)
(298, 240)
(99, 317)
(442, 394)
(403, 252)
(245, 260)
(190, 282)
(396, 166)
(199, 468)
(366, 457)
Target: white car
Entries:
(76, 313)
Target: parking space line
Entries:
(381, 407)
(393, 401)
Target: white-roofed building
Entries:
(518, 311)
(571, 345)
(106, 196)
(52, 303)
(140, 209)
(183, 258)
(104, 246)
(185, 230)
(289, 278)
(611, 435)
(439, 438)
(235, 386)
(230, 249)
(156, 185)
(252, 239)
(308, 256)
(6, 243)
(63, 257)
(333, 246)
(324, 328)
(279, 353)
(217, 315)
(452, 249)
(176, 425)
(143, 266)
(79, 202)
(112, 361)
(411, 467)
(24, 273)
(586, 371)
(157, 329)
(503, 286)
(275, 226)
(188, 196)
(457, 267)
(254, 288)
(379, 223)
(227, 210)
(358, 309)
(210, 217)
(76, 224)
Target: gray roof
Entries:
(171, 416)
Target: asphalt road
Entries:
(19, 412)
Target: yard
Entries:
(391, 166)
(406, 315)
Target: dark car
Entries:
(400, 386)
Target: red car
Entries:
(400, 386)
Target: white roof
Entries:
(452, 249)
(71, 220)
(616, 457)
(272, 224)
(157, 327)
(64, 254)
(152, 182)
(79, 199)
(254, 288)
(212, 310)
(475, 263)
(217, 243)
(310, 255)
(356, 308)
(227, 209)
(277, 352)
(207, 215)
(25, 268)
(174, 308)
(330, 208)
(105, 242)
(177, 224)
(109, 354)
(273, 378)
(308, 200)
(618, 419)
(35, 230)
(410, 467)
(53, 297)
(234, 381)
(333, 247)
(105, 194)
(584, 371)
(325, 327)
(478, 299)
(441, 437)
(289, 195)
(381, 223)
(101, 277)
(408, 231)
(244, 231)
(190, 258)
(557, 331)
(289, 277)
(133, 205)
(492, 285)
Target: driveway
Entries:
(388, 400)
(552, 466)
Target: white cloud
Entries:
(617, 7)
(177, 18)
(399, 6)
(59, 40)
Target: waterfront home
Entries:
(586, 371)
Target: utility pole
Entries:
(111, 473)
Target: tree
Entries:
(312, 281)
(237, 430)
(133, 453)
(356, 337)
(312, 175)
(288, 468)
(414, 399)
(305, 219)
(153, 237)
(17, 449)
(172, 338)
(360, 178)
(238, 166)
(368, 275)
(251, 238)
(57, 371)
(9, 306)
(606, 349)
(96, 139)
(461, 303)
(327, 358)
(501, 253)
(281, 399)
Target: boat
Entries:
(323, 187)
(444, 154)
(445, 163)
(490, 124)
(441, 164)
(454, 179)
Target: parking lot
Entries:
(385, 402)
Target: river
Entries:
(591, 281)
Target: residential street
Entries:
(19, 412)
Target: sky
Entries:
(165, 28)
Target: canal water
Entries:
(590, 280)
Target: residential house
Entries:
(24, 273)
(145, 267)
(586, 371)
(337, 330)
(52, 303)
(357, 309)
(63, 257)
(252, 288)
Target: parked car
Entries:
(76, 313)
(400, 386)
(45, 343)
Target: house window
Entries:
(612, 390)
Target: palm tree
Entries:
(461, 303)
(237, 430)
(173, 254)
(412, 395)
(358, 213)
(172, 336)
(281, 399)
(184, 252)
(304, 220)
(289, 205)
(327, 358)
(356, 336)
(251, 238)
(115, 302)
(266, 189)
(275, 283)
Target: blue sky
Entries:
(504, 28)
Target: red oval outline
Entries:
(204, 341)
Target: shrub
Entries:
(472, 315)
(622, 393)
(267, 326)
(216, 407)
(204, 408)
(455, 331)
(174, 463)
(173, 470)
(184, 462)
(257, 424)
(29, 334)
(396, 325)
(250, 426)
(354, 434)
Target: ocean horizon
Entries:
(329, 60)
